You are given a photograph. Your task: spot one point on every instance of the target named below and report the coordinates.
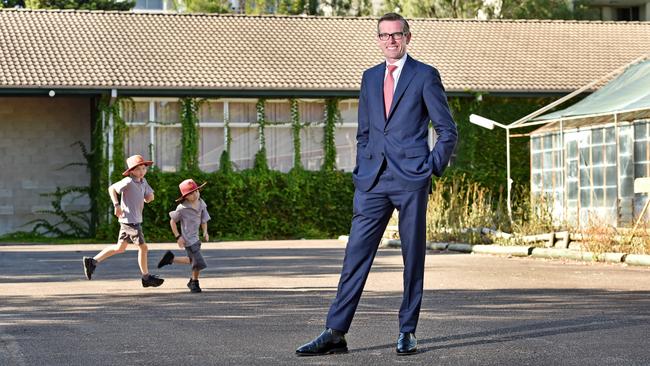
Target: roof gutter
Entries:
(244, 93)
(206, 93)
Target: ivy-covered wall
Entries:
(258, 203)
(264, 204)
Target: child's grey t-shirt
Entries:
(132, 201)
(191, 219)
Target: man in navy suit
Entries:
(394, 166)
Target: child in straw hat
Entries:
(191, 212)
(135, 192)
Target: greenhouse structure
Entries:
(585, 158)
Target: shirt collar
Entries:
(187, 204)
(400, 63)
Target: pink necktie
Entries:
(389, 85)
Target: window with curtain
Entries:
(154, 131)
(211, 134)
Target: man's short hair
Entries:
(395, 16)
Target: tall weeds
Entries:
(459, 208)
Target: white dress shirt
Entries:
(400, 64)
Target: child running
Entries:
(135, 192)
(192, 212)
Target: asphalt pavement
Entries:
(261, 300)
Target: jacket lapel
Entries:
(405, 78)
(377, 90)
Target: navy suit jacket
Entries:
(401, 138)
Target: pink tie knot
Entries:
(391, 68)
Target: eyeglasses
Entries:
(396, 36)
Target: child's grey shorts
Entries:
(131, 233)
(194, 252)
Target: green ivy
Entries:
(260, 163)
(296, 126)
(84, 223)
(119, 135)
(189, 134)
(225, 164)
(71, 223)
(98, 167)
(332, 116)
(108, 109)
(265, 204)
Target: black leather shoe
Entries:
(330, 341)
(407, 344)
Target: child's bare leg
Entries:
(110, 251)
(182, 260)
(142, 258)
(195, 274)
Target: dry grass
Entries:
(459, 208)
(600, 237)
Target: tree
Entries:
(206, 6)
(446, 8)
(347, 7)
(546, 9)
(75, 4)
(502, 9)
(12, 3)
(258, 6)
(292, 7)
(533, 9)
(435, 8)
(362, 8)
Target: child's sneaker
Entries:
(151, 281)
(193, 285)
(89, 266)
(167, 259)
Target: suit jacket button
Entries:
(385, 133)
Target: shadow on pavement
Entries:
(60, 266)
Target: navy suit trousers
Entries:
(371, 213)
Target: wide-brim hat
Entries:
(134, 161)
(188, 186)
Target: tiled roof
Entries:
(125, 50)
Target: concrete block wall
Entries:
(36, 137)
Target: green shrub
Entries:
(255, 204)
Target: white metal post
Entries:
(489, 124)
(618, 170)
(509, 181)
(226, 119)
(259, 126)
(110, 146)
(565, 184)
(152, 131)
